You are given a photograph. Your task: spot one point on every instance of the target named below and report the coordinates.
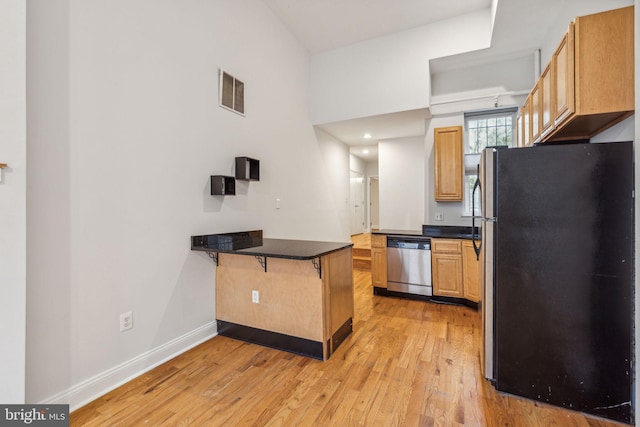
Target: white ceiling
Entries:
(323, 25)
(403, 124)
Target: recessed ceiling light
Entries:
(365, 151)
(367, 136)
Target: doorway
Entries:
(357, 203)
(374, 203)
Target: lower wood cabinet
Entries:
(455, 269)
(447, 275)
(446, 267)
(471, 272)
(379, 260)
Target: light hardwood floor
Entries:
(407, 363)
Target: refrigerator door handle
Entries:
(476, 246)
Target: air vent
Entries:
(231, 93)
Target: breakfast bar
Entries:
(293, 295)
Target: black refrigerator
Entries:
(557, 249)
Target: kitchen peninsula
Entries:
(293, 295)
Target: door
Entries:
(357, 203)
(374, 197)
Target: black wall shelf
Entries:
(222, 185)
(247, 169)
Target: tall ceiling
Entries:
(323, 25)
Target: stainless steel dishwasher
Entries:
(409, 265)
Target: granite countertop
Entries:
(388, 232)
(252, 243)
(450, 232)
(436, 231)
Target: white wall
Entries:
(356, 164)
(125, 130)
(508, 75)
(372, 169)
(336, 162)
(402, 183)
(389, 74)
(13, 200)
(568, 12)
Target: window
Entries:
(484, 129)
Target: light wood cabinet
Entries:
(588, 84)
(535, 100)
(526, 123)
(471, 272)
(564, 78)
(548, 100)
(379, 260)
(446, 267)
(448, 166)
(456, 270)
(519, 128)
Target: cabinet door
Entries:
(564, 77)
(451, 246)
(378, 241)
(548, 100)
(448, 167)
(526, 123)
(519, 128)
(534, 111)
(603, 59)
(379, 267)
(447, 275)
(471, 272)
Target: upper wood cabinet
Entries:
(564, 78)
(448, 164)
(519, 128)
(526, 123)
(588, 84)
(535, 99)
(546, 84)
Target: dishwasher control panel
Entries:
(409, 243)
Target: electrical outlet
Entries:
(255, 297)
(439, 216)
(126, 321)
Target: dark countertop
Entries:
(388, 232)
(450, 232)
(436, 231)
(252, 243)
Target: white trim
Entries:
(85, 392)
(478, 97)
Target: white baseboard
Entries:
(80, 394)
